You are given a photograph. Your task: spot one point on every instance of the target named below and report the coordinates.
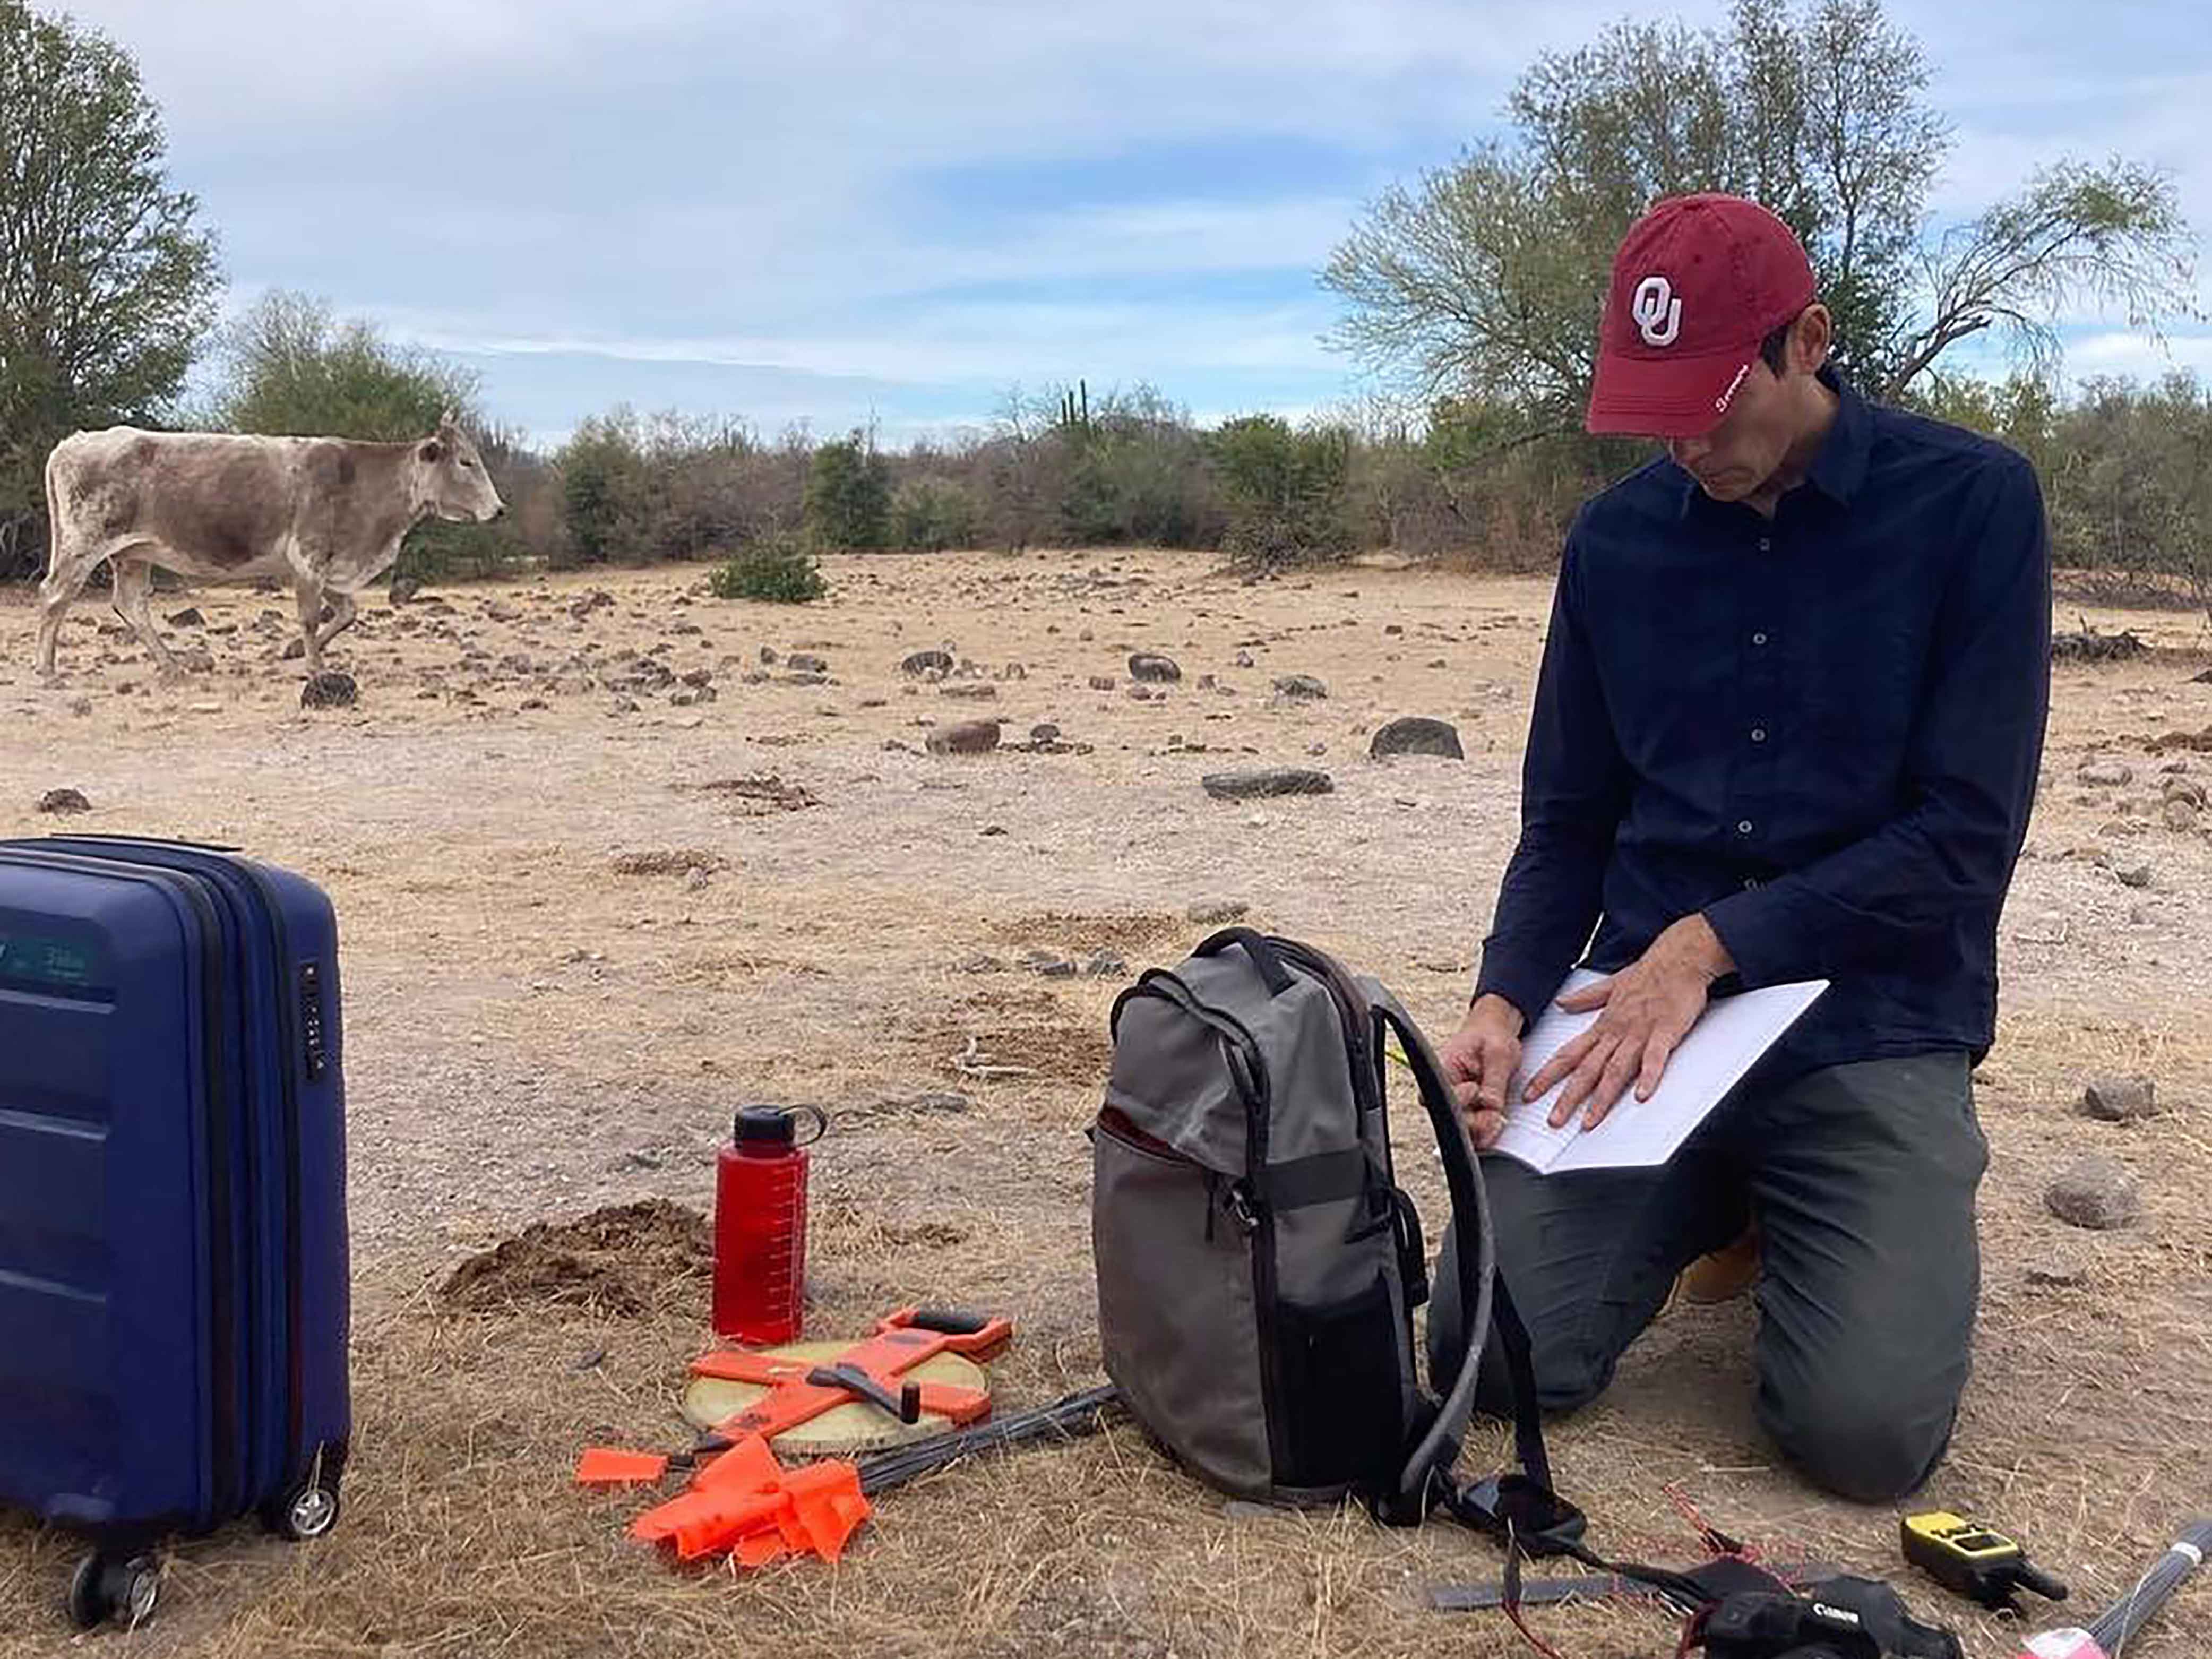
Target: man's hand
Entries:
(1649, 1006)
(1479, 1059)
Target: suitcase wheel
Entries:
(105, 1588)
(308, 1510)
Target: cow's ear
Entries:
(448, 421)
(432, 452)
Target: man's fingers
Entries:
(1658, 1048)
(1584, 1079)
(1569, 1056)
(1589, 997)
(1498, 1058)
(1484, 1128)
(1618, 1070)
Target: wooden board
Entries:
(849, 1428)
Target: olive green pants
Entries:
(1862, 1179)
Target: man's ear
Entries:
(1810, 336)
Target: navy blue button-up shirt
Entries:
(1822, 730)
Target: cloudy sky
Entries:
(894, 209)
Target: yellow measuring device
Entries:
(1973, 1559)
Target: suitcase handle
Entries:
(147, 841)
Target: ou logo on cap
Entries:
(1657, 311)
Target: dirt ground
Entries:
(585, 914)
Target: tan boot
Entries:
(1723, 1276)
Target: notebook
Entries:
(1732, 1031)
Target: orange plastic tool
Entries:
(901, 1341)
(745, 1501)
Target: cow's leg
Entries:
(344, 614)
(70, 566)
(308, 588)
(134, 580)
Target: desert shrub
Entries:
(779, 568)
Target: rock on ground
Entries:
(1260, 782)
(1417, 734)
(2098, 1193)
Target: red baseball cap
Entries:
(1699, 283)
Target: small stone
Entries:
(801, 662)
(981, 963)
(295, 649)
(2107, 774)
(2186, 790)
(1103, 682)
(2057, 1274)
(965, 737)
(699, 678)
(625, 705)
(697, 880)
(683, 860)
(1300, 688)
(404, 588)
(2133, 875)
(1214, 913)
(1049, 964)
(188, 618)
(329, 690)
(1418, 734)
(63, 800)
(1106, 965)
(2119, 1099)
(1393, 628)
(2098, 1193)
(1151, 666)
(1317, 749)
(81, 707)
(534, 702)
(767, 656)
(972, 691)
(926, 662)
(1244, 659)
(993, 829)
(1266, 781)
(2180, 815)
(1044, 732)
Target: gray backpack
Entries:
(1258, 1266)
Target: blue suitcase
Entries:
(175, 1299)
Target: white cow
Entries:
(328, 514)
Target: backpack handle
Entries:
(1482, 1292)
(1265, 956)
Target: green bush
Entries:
(930, 514)
(849, 495)
(779, 569)
(1286, 489)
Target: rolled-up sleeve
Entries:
(1972, 764)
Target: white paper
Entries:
(1732, 1033)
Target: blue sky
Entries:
(895, 210)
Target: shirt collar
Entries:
(1839, 466)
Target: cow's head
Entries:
(450, 477)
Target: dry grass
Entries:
(533, 1038)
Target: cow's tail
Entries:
(53, 507)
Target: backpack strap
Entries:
(1523, 1505)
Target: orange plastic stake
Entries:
(604, 1466)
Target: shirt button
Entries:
(1743, 826)
(1758, 639)
(1751, 883)
(1766, 544)
(1758, 734)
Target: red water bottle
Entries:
(760, 1225)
